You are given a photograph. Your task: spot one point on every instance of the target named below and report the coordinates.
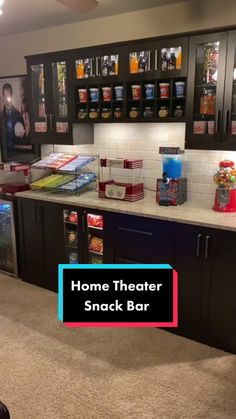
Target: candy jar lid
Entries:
(226, 163)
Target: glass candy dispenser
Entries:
(225, 179)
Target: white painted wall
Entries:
(143, 141)
(170, 19)
(136, 140)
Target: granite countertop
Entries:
(188, 213)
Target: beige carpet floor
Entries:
(50, 372)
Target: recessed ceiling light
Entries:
(1, 2)
(1, 12)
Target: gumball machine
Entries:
(225, 178)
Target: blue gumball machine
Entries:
(172, 188)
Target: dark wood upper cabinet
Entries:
(50, 104)
(198, 72)
(205, 92)
(229, 116)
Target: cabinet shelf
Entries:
(71, 247)
(70, 223)
(98, 120)
(95, 228)
(130, 120)
(178, 98)
(204, 117)
(205, 85)
(95, 253)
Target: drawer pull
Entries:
(129, 261)
(130, 230)
(199, 236)
(207, 246)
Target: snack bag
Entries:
(96, 244)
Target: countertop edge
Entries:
(129, 211)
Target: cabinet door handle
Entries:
(40, 217)
(130, 230)
(46, 121)
(51, 123)
(129, 261)
(96, 70)
(217, 121)
(156, 60)
(83, 222)
(35, 213)
(226, 122)
(199, 236)
(206, 246)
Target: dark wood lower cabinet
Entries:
(189, 265)
(221, 308)
(31, 239)
(41, 242)
(141, 240)
(204, 259)
(44, 241)
(207, 285)
(54, 249)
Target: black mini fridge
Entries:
(8, 239)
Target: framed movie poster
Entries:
(15, 122)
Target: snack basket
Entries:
(67, 173)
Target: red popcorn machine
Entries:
(129, 187)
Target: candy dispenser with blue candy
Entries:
(172, 188)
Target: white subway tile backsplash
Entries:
(142, 141)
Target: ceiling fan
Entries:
(79, 6)
(196, 7)
(1, 3)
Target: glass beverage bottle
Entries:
(80, 69)
(179, 59)
(204, 103)
(172, 60)
(134, 63)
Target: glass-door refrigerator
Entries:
(71, 236)
(8, 251)
(95, 226)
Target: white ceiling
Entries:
(26, 15)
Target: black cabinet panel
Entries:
(51, 101)
(32, 242)
(207, 285)
(205, 91)
(221, 316)
(189, 265)
(204, 259)
(54, 250)
(144, 240)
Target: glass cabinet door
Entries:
(206, 88)
(38, 89)
(71, 236)
(229, 125)
(95, 238)
(7, 239)
(58, 120)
